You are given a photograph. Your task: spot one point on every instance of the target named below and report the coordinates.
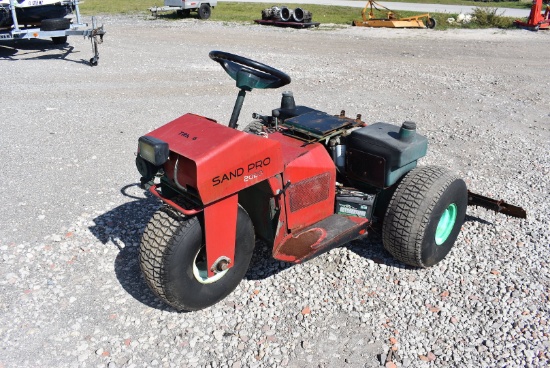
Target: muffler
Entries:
(300, 15)
(285, 14)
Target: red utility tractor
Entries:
(299, 179)
(537, 20)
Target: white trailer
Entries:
(184, 7)
(57, 29)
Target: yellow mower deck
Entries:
(391, 21)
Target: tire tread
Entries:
(409, 211)
(156, 246)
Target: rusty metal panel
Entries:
(496, 205)
(320, 237)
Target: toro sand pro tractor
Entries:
(299, 179)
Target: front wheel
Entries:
(172, 258)
(424, 216)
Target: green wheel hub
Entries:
(446, 224)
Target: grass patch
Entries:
(91, 7)
(247, 12)
(490, 18)
(482, 3)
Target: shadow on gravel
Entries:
(123, 227)
(476, 219)
(173, 15)
(22, 49)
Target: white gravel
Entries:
(70, 289)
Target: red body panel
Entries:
(216, 160)
(220, 224)
(309, 168)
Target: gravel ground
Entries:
(71, 293)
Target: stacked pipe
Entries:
(284, 14)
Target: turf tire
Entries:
(168, 249)
(415, 210)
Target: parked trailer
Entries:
(58, 29)
(184, 7)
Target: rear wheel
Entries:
(424, 216)
(173, 259)
(204, 11)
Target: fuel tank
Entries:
(381, 153)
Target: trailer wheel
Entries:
(424, 216)
(59, 40)
(431, 23)
(172, 258)
(55, 24)
(204, 11)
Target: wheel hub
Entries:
(200, 268)
(446, 224)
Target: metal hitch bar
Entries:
(494, 205)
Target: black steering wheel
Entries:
(248, 73)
